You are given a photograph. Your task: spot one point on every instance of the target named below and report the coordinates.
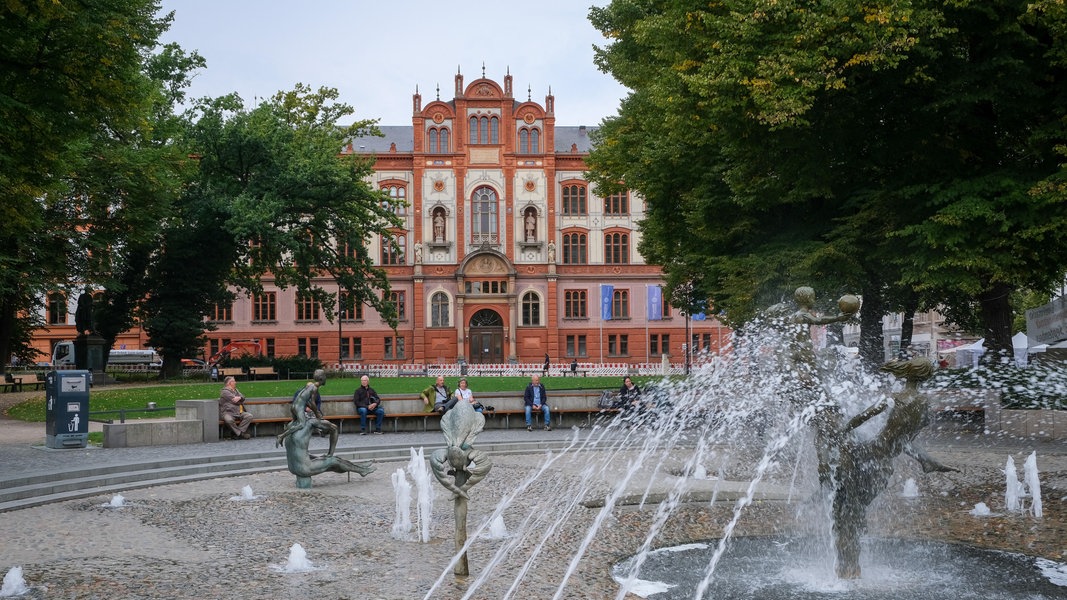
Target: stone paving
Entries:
(195, 541)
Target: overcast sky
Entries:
(375, 52)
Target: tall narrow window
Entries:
(617, 204)
(484, 130)
(574, 249)
(531, 309)
(574, 200)
(529, 140)
(620, 304)
(399, 301)
(398, 199)
(574, 304)
(576, 346)
(484, 216)
(308, 347)
(265, 307)
(222, 312)
(307, 308)
(437, 138)
(57, 309)
(393, 249)
(439, 310)
(348, 309)
(616, 248)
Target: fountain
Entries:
(783, 420)
(247, 495)
(459, 466)
(911, 489)
(14, 584)
(297, 562)
(497, 529)
(1013, 488)
(117, 501)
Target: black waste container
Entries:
(67, 409)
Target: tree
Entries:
(67, 72)
(273, 196)
(888, 146)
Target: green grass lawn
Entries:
(166, 395)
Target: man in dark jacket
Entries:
(367, 401)
(535, 398)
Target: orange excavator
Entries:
(242, 346)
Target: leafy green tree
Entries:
(274, 197)
(67, 72)
(905, 149)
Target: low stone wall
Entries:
(153, 433)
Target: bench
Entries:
(235, 372)
(262, 373)
(19, 382)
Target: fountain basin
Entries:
(772, 568)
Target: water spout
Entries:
(14, 584)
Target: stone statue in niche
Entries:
(438, 227)
(531, 226)
(552, 252)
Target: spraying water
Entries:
(117, 501)
(247, 495)
(14, 584)
(402, 526)
(1033, 484)
(297, 562)
(420, 473)
(1013, 488)
(911, 489)
(497, 529)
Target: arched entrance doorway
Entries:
(486, 337)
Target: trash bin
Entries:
(67, 409)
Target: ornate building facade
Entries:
(507, 252)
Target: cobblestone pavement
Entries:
(195, 540)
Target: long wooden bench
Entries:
(236, 372)
(20, 382)
(262, 373)
(406, 413)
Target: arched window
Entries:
(620, 304)
(531, 309)
(574, 249)
(616, 248)
(439, 309)
(617, 204)
(574, 304)
(393, 249)
(398, 199)
(574, 200)
(529, 140)
(484, 130)
(484, 211)
(437, 138)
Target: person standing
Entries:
(438, 397)
(368, 402)
(231, 409)
(544, 369)
(536, 399)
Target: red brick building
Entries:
(507, 252)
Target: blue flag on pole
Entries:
(606, 293)
(655, 303)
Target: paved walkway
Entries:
(175, 540)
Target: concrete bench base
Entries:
(152, 433)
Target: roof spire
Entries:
(483, 69)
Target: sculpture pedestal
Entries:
(89, 352)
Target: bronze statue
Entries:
(297, 437)
(83, 315)
(459, 466)
(863, 468)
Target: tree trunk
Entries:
(871, 338)
(995, 308)
(907, 323)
